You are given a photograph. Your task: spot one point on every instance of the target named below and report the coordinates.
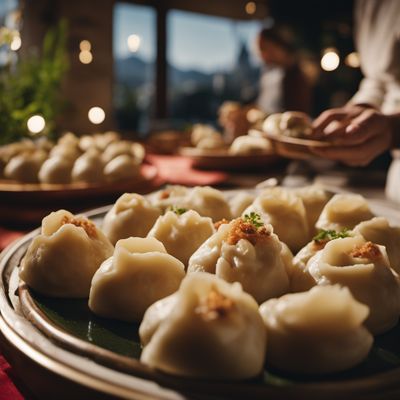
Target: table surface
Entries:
(178, 170)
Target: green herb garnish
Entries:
(254, 219)
(327, 235)
(177, 210)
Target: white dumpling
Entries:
(103, 140)
(208, 329)
(71, 152)
(344, 211)
(116, 149)
(316, 332)
(239, 202)
(25, 167)
(272, 124)
(171, 196)
(138, 274)
(88, 168)
(247, 145)
(212, 142)
(182, 232)
(314, 199)
(378, 230)
(201, 132)
(68, 139)
(62, 260)
(364, 268)
(286, 213)
(121, 167)
(295, 124)
(131, 215)
(56, 169)
(243, 252)
(208, 202)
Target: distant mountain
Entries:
(134, 71)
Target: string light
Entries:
(96, 115)
(330, 60)
(36, 124)
(85, 57)
(353, 60)
(251, 7)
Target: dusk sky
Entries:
(195, 41)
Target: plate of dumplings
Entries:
(209, 150)
(41, 171)
(289, 134)
(268, 293)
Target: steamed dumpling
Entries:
(171, 196)
(239, 202)
(286, 213)
(116, 149)
(316, 332)
(247, 145)
(182, 232)
(131, 215)
(88, 168)
(62, 260)
(25, 167)
(243, 252)
(121, 167)
(272, 124)
(56, 169)
(378, 230)
(139, 273)
(208, 329)
(208, 202)
(344, 211)
(364, 268)
(314, 199)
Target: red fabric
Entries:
(8, 391)
(179, 170)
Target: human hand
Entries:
(333, 123)
(363, 138)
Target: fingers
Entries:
(358, 155)
(328, 116)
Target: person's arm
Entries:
(371, 91)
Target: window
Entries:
(210, 60)
(134, 50)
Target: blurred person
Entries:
(369, 124)
(283, 84)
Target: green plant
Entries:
(32, 86)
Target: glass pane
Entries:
(134, 65)
(210, 60)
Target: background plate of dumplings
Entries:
(102, 355)
(28, 203)
(222, 159)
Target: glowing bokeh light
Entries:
(96, 115)
(251, 7)
(330, 60)
(353, 60)
(16, 43)
(85, 57)
(85, 45)
(133, 43)
(36, 124)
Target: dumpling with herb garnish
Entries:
(364, 268)
(182, 232)
(171, 196)
(378, 231)
(207, 329)
(300, 278)
(286, 213)
(239, 202)
(247, 251)
(344, 211)
(131, 215)
(138, 274)
(61, 261)
(316, 332)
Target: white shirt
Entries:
(378, 42)
(270, 99)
